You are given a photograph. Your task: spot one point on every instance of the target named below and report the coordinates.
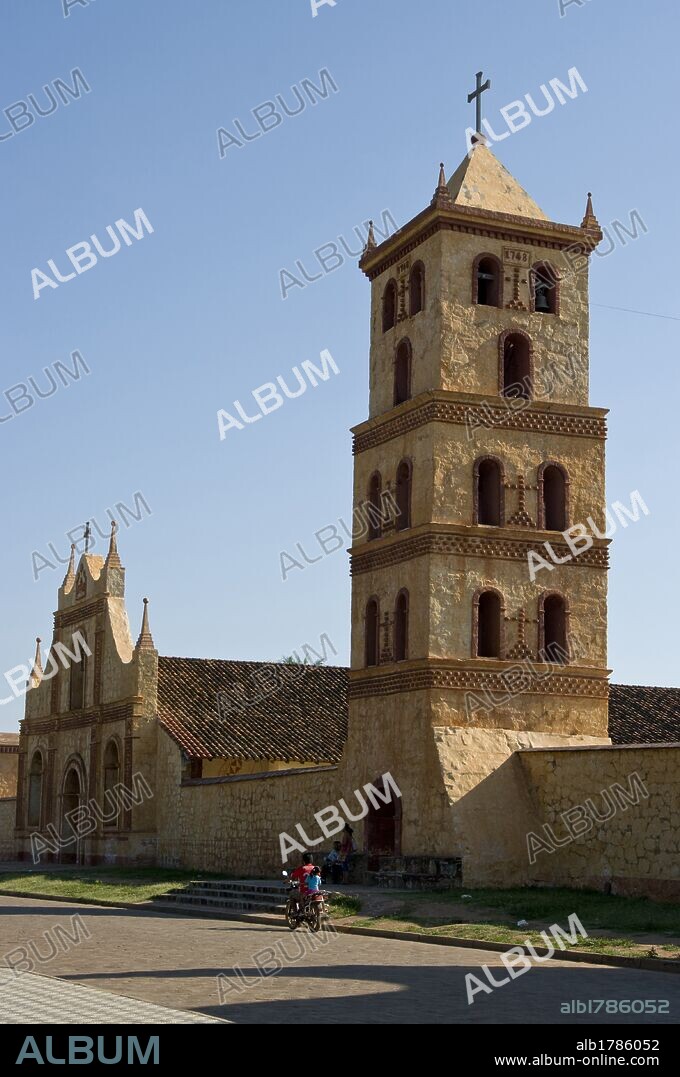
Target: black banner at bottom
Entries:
(496, 1047)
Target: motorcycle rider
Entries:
(301, 875)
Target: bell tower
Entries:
(479, 604)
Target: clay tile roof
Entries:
(299, 714)
(642, 715)
(269, 710)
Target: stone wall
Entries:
(470, 793)
(9, 761)
(463, 793)
(635, 851)
(469, 352)
(232, 824)
(490, 808)
(8, 808)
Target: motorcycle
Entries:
(312, 910)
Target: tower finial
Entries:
(370, 241)
(145, 641)
(590, 221)
(112, 558)
(442, 197)
(37, 670)
(70, 577)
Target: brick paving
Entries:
(28, 999)
(175, 962)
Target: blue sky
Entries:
(190, 319)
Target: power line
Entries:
(647, 313)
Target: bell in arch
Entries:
(542, 300)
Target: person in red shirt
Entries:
(300, 875)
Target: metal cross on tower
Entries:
(476, 96)
(88, 536)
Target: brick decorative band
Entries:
(509, 229)
(65, 618)
(58, 725)
(434, 542)
(450, 411)
(557, 684)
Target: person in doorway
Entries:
(332, 863)
(347, 847)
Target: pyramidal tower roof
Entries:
(482, 182)
(481, 193)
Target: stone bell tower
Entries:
(469, 640)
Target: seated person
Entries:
(332, 863)
(314, 880)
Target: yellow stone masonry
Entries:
(475, 778)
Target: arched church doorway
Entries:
(382, 830)
(71, 800)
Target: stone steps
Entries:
(235, 886)
(220, 904)
(224, 897)
(254, 898)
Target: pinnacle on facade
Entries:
(590, 221)
(112, 558)
(145, 641)
(70, 577)
(37, 670)
(370, 242)
(441, 197)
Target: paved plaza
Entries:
(135, 962)
(28, 999)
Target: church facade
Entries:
(478, 676)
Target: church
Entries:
(480, 686)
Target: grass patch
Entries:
(504, 935)
(594, 909)
(492, 915)
(344, 905)
(132, 885)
